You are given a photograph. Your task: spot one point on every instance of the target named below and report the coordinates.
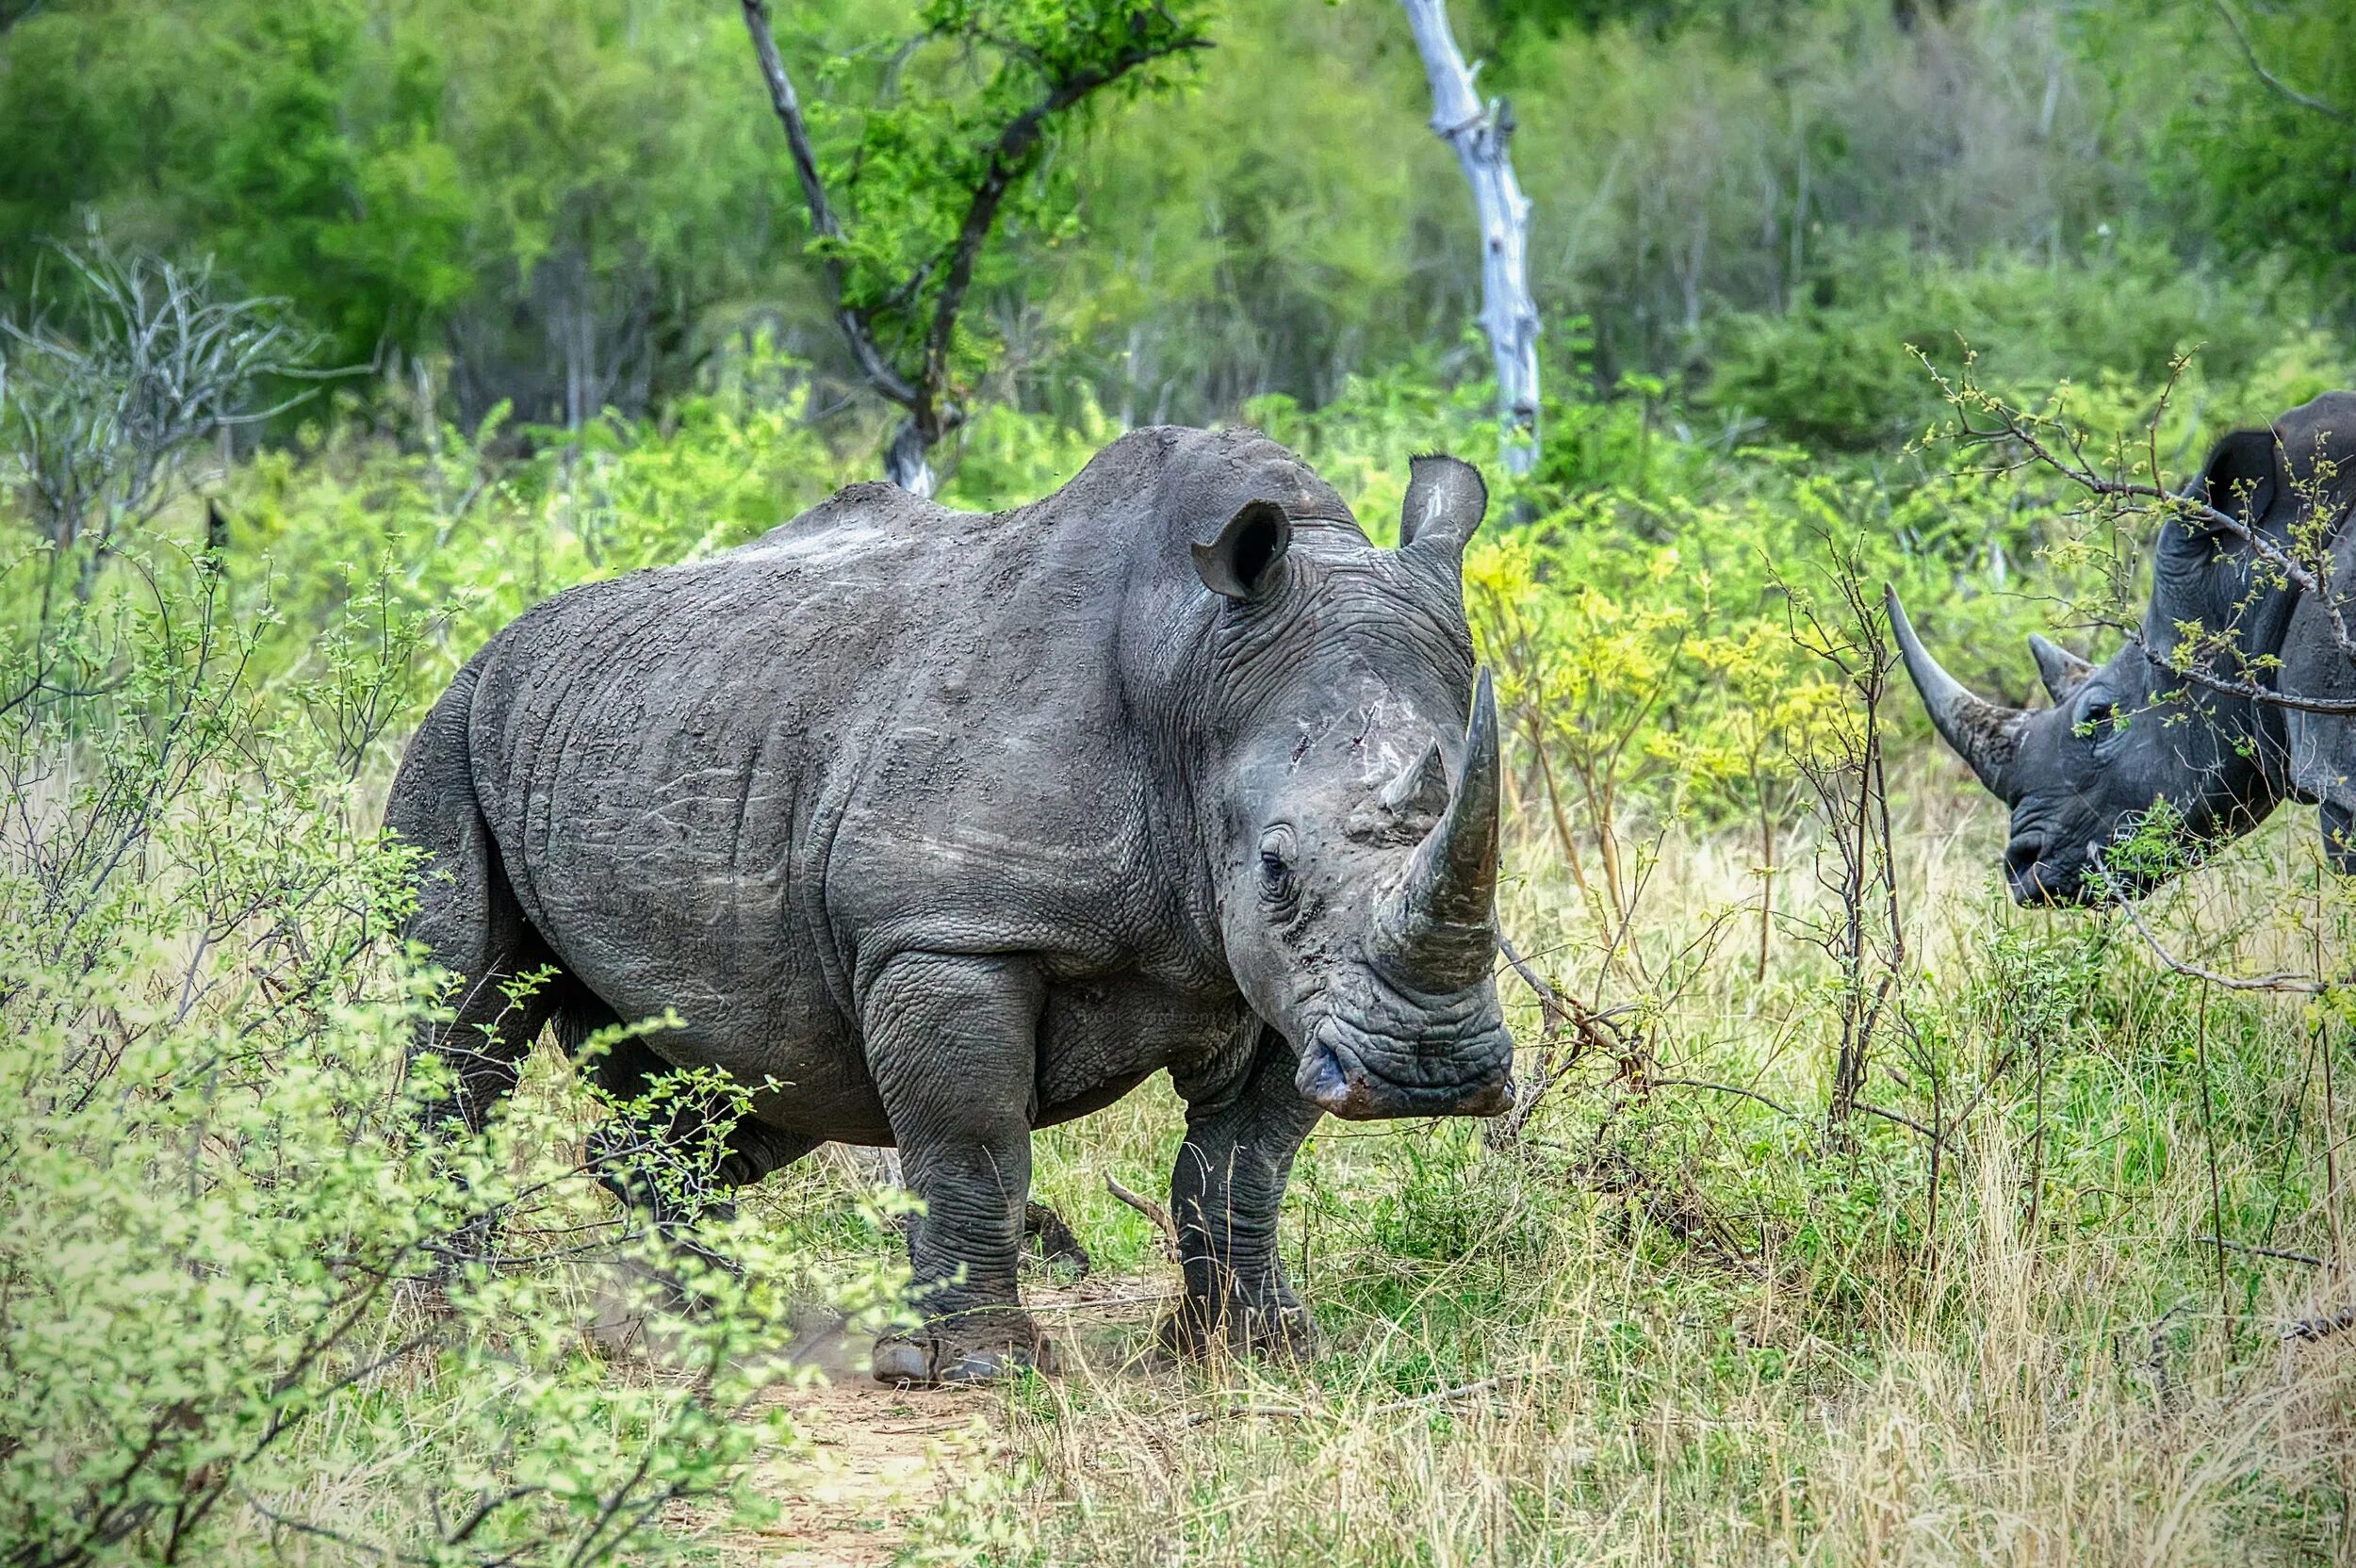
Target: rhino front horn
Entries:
(1983, 733)
(1439, 935)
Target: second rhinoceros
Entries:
(2251, 597)
(950, 826)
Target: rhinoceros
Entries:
(936, 827)
(2220, 744)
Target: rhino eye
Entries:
(1276, 864)
(2097, 722)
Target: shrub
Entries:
(240, 1298)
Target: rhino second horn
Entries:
(2062, 671)
(1983, 733)
(1421, 787)
(1440, 935)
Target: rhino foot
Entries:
(933, 1358)
(1279, 1329)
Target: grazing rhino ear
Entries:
(1446, 501)
(1247, 559)
(2238, 481)
(2061, 670)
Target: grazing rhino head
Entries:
(1356, 798)
(2135, 734)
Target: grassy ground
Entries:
(1674, 1323)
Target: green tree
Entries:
(955, 149)
(2267, 143)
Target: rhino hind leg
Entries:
(951, 1040)
(1226, 1194)
(666, 1172)
(469, 921)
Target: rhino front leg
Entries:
(1225, 1195)
(951, 1043)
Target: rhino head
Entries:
(1351, 810)
(2121, 738)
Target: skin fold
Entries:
(941, 827)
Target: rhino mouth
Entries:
(2088, 877)
(2038, 879)
(1364, 1075)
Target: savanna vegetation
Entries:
(1848, 1214)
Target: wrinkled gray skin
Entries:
(2121, 738)
(961, 825)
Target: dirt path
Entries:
(882, 1459)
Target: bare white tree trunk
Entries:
(907, 461)
(1480, 135)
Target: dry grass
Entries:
(1675, 1329)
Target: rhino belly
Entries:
(1099, 1040)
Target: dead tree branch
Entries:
(1480, 136)
(1568, 1030)
(2281, 87)
(1154, 1214)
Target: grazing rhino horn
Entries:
(2061, 670)
(1437, 932)
(1985, 734)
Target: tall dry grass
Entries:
(1678, 1326)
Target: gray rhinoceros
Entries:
(2121, 738)
(956, 827)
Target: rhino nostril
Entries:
(2021, 855)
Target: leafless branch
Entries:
(1154, 1214)
(1564, 1018)
(1775, 1105)
(2243, 1247)
(2241, 36)
(1899, 1117)
(2284, 982)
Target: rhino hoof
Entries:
(928, 1362)
(1279, 1331)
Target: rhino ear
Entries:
(2238, 481)
(1247, 559)
(1446, 500)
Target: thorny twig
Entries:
(1563, 1018)
(1155, 1215)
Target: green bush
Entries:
(242, 1302)
(1839, 371)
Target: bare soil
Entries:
(882, 1458)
